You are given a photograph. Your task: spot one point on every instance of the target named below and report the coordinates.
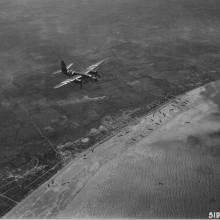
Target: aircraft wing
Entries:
(94, 66)
(69, 66)
(67, 81)
(56, 72)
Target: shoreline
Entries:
(116, 133)
(43, 177)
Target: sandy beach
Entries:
(164, 164)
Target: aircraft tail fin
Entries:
(63, 67)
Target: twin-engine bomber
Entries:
(90, 74)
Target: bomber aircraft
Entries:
(78, 77)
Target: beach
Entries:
(164, 164)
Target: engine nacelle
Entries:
(95, 73)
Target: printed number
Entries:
(214, 215)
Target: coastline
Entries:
(119, 123)
(132, 130)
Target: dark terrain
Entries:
(156, 49)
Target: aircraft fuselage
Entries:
(71, 73)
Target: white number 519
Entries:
(214, 215)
